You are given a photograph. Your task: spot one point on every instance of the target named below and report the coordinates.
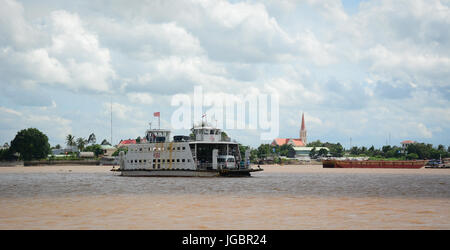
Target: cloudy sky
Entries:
(358, 69)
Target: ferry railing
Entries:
(209, 166)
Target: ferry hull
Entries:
(187, 173)
(373, 164)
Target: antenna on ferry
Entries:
(203, 116)
(214, 115)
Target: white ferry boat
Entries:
(205, 153)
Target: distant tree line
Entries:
(335, 149)
(265, 150)
(413, 151)
(88, 145)
(32, 144)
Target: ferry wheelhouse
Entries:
(206, 152)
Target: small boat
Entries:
(373, 164)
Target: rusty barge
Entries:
(372, 164)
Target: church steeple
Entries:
(303, 130)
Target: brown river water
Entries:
(287, 197)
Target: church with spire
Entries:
(300, 142)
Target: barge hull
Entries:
(373, 164)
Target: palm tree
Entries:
(81, 142)
(70, 140)
(105, 142)
(92, 139)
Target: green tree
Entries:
(336, 150)
(138, 139)
(253, 155)
(81, 142)
(97, 149)
(412, 156)
(264, 150)
(422, 150)
(242, 150)
(363, 150)
(322, 152)
(6, 155)
(124, 149)
(391, 153)
(224, 136)
(317, 143)
(30, 144)
(105, 142)
(70, 140)
(286, 149)
(386, 149)
(92, 139)
(312, 153)
(354, 151)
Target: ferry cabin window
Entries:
(178, 160)
(183, 160)
(184, 148)
(178, 148)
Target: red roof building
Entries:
(283, 141)
(406, 143)
(301, 142)
(124, 143)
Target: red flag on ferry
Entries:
(156, 114)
